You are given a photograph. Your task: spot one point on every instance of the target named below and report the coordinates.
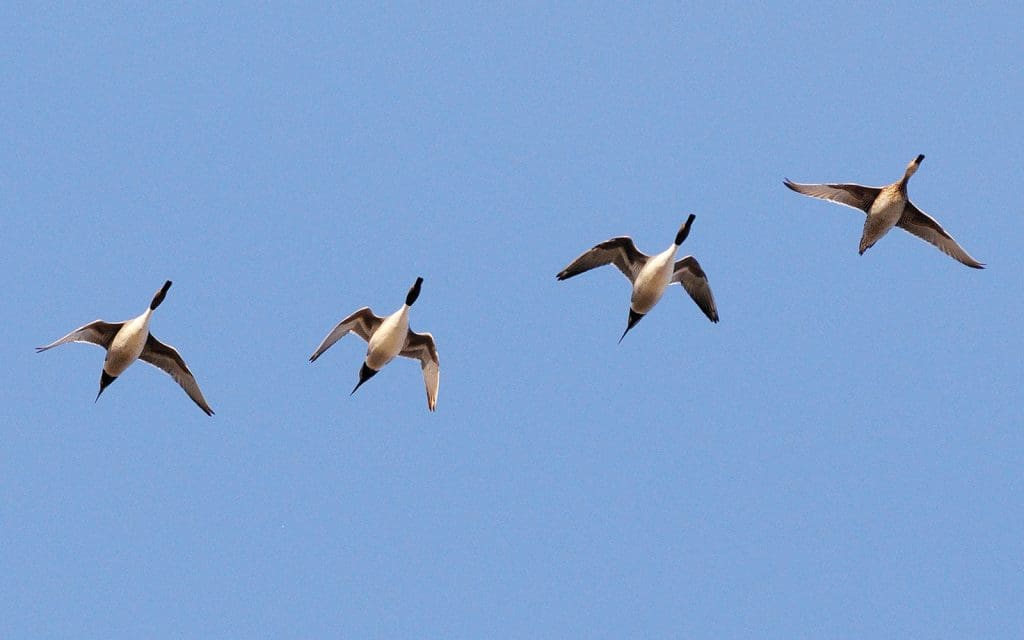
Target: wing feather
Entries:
(851, 195)
(925, 227)
(688, 273)
(166, 358)
(96, 332)
(618, 251)
(362, 322)
(421, 347)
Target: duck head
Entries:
(684, 230)
(160, 295)
(414, 292)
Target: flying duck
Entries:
(389, 337)
(650, 275)
(131, 340)
(887, 207)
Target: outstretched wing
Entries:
(618, 251)
(363, 322)
(421, 346)
(688, 273)
(96, 332)
(165, 357)
(925, 227)
(852, 195)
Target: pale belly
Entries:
(125, 348)
(884, 214)
(386, 342)
(650, 286)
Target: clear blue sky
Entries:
(840, 457)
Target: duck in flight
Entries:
(888, 207)
(131, 340)
(649, 275)
(389, 337)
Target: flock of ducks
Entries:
(886, 207)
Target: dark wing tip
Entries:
(793, 186)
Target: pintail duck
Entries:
(389, 337)
(131, 340)
(887, 207)
(649, 275)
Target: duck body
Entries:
(387, 341)
(884, 213)
(127, 345)
(653, 279)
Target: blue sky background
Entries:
(840, 457)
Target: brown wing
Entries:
(688, 273)
(421, 346)
(618, 251)
(852, 195)
(165, 357)
(925, 227)
(362, 322)
(96, 332)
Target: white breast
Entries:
(127, 345)
(651, 282)
(388, 340)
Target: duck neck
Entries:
(398, 321)
(402, 315)
(911, 170)
(142, 321)
(670, 253)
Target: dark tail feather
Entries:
(634, 318)
(365, 373)
(105, 380)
